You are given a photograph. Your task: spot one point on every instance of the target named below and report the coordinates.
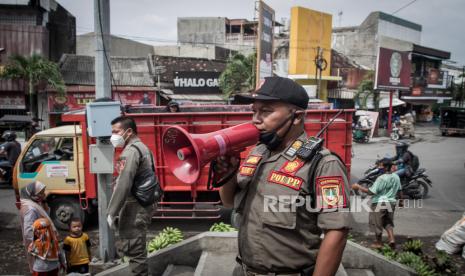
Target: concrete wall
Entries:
(358, 45)
(361, 43)
(389, 29)
(85, 45)
(202, 30)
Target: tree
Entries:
(34, 70)
(239, 75)
(365, 89)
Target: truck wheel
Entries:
(63, 209)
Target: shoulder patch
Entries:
(292, 150)
(246, 170)
(330, 192)
(290, 181)
(253, 160)
(291, 167)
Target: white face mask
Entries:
(117, 140)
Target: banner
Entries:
(186, 82)
(78, 100)
(265, 43)
(12, 100)
(393, 70)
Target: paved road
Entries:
(443, 157)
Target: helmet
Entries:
(9, 135)
(173, 103)
(401, 147)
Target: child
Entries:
(384, 192)
(77, 248)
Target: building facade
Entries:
(31, 27)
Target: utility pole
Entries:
(461, 89)
(103, 90)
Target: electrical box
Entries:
(99, 117)
(101, 158)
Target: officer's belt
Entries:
(255, 272)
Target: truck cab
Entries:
(55, 158)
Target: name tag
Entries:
(292, 182)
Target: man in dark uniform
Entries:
(284, 203)
(132, 218)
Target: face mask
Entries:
(117, 140)
(271, 139)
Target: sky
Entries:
(154, 21)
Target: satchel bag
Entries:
(146, 187)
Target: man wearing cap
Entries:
(283, 202)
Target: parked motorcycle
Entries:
(416, 186)
(361, 135)
(400, 131)
(6, 170)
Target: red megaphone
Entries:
(186, 153)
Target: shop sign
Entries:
(78, 100)
(12, 101)
(393, 70)
(196, 82)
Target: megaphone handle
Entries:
(212, 183)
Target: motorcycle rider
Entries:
(11, 149)
(403, 159)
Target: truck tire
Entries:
(63, 209)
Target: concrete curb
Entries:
(195, 251)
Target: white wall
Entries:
(389, 29)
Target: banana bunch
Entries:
(415, 262)
(222, 227)
(413, 246)
(168, 236)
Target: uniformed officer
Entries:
(285, 203)
(132, 218)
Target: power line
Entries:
(403, 7)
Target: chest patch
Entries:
(246, 171)
(330, 192)
(291, 167)
(290, 181)
(292, 150)
(253, 160)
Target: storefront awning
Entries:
(197, 97)
(425, 98)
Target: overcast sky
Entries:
(154, 21)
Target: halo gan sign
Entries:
(393, 70)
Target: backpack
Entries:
(146, 188)
(415, 161)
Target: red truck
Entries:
(59, 157)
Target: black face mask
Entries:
(271, 139)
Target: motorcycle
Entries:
(6, 170)
(416, 186)
(361, 135)
(400, 131)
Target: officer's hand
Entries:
(226, 164)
